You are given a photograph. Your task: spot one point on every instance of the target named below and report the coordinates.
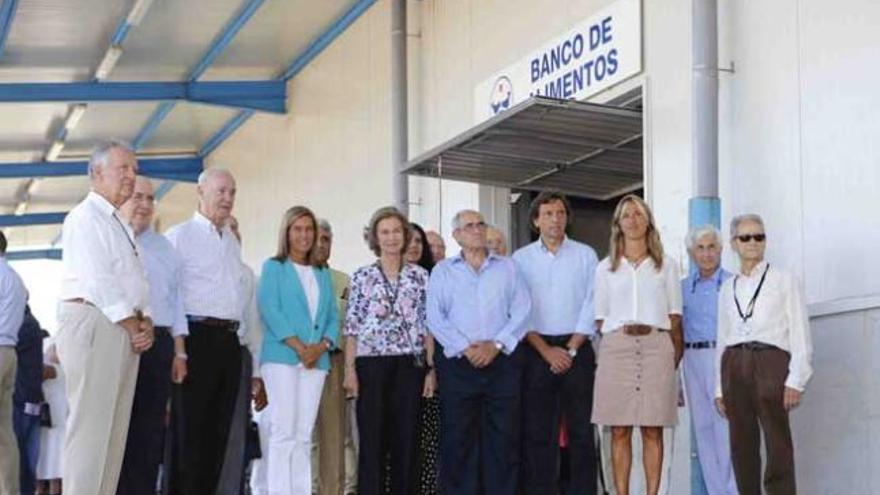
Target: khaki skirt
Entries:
(635, 381)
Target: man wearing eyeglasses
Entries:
(165, 362)
(477, 308)
(764, 350)
(700, 321)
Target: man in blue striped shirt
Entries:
(477, 309)
(559, 360)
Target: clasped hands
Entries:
(481, 354)
(310, 353)
(140, 330)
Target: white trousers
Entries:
(295, 393)
(713, 441)
(101, 372)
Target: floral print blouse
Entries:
(387, 317)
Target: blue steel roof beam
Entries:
(218, 45)
(186, 169)
(32, 219)
(269, 96)
(7, 14)
(34, 254)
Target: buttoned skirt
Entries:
(635, 380)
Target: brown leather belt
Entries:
(637, 330)
(79, 300)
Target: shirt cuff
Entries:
(510, 342)
(117, 312)
(792, 382)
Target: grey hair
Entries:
(100, 153)
(697, 232)
(747, 217)
(210, 172)
(324, 225)
(456, 220)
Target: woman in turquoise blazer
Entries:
(300, 321)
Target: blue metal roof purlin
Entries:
(7, 14)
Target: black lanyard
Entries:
(392, 290)
(750, 309)
(124, 231)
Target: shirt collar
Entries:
(101, 202)
(715, 278)
(757, 270)
(207, 224)
(544, 249)
(459, 258)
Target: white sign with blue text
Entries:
(598, 52)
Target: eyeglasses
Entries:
(750, 237)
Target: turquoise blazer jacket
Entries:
(285, 312)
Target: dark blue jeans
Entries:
(480, 425)
(27, 432)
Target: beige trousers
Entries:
(8, 444)
(333, 461)
(101, 372)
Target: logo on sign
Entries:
(502, 95)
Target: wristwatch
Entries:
(572, 352)
(499, 346)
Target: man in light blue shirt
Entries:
(700, 319)
(166, 361)
(559, 362)
(13, 299)
(477, 308)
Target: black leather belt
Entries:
(210, 321)
(705, 344)
(556, 340)
(754, 346)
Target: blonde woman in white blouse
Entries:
(638, 312)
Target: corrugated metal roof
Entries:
(582, 149)
(65, 41)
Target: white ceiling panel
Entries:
(188, 127)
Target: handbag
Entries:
(45, 415)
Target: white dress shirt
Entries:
(164, 271)
(779, 319)
(212, 268)
(639, 295)
(250, 332)
(13, 298)
(100, 262)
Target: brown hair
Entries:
(290, 216)
(547, 197)
(615, 248)
(382, 214)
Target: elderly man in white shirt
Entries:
(214, 304)
(165, 362)
(103, 324)
(764, 353)
(13, 298)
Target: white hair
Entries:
(101, 152)
(211, 172)
(456, 220)
(696, 233)
(324, 225)
(747, 217)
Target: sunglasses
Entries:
(749, 237)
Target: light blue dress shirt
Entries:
(700, 297)
(164, 272)
(13, 298)
(466, 305)
(561, 286)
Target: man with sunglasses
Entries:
(764, 350)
